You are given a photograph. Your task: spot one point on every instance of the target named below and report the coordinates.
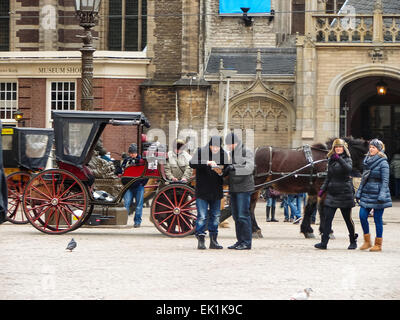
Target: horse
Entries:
(300, 170)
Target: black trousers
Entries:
(329, 213)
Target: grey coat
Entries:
(241, 179)
(3, 186)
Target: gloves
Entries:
(320, 193)
(335, 156)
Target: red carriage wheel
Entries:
(173, 210)
(56, 201)
(16, 183)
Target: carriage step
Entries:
(96, 219)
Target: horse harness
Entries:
(283, 175)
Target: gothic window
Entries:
(127, 25)
(334, 6)
(298, 16)
(269, 120)
(4, 26)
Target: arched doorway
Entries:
(365, 114)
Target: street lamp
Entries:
(19, 117)
(87, 11)
(227, 73)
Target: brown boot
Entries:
(377, 246)
(367, 242)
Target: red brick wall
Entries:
(117, 95)
(32, 101)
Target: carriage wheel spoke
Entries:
(161, 212)
(163, 193)
(172, 223)
(47, 188)
(184, 220)
(163, 204)
(38, 190)
(68, 189)
(166, 219)
(60, 186)
(71, 196)
(183, 197)
(35, 216)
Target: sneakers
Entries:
(297, 220)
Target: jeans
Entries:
(240, 205)
(271, 202)
(136, 192)
(290, 202)
(378, 213)
(207, 210)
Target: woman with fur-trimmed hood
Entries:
(338, 187)
(374, 192)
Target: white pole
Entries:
(226, 108)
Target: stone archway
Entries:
(333, 98)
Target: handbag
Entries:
(364, 176)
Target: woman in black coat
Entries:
(339, 190)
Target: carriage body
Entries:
(25, 152)
(60, 200)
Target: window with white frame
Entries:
(63, 95)
(8, 100)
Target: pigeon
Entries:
(71, 245)
(302, 295)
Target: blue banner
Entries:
(233, 6)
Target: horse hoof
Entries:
(309, 235)
(258, 234)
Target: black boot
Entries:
(201, 242)
(268, 209)
(353, 241)
(273, 215)
(213, 241)
(324, 242)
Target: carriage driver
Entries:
(137, 189)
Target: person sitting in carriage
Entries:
(177, 167)
(137, 189)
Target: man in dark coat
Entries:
(339, 190)
(241, 186)
(3, 186)
(209, 163)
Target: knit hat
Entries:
(132, 148)
(232, 138)
(339, 143)
(379, 145)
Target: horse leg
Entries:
(322, 219)
(305, 227)
(254, 226)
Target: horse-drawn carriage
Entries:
(60, 200)
(25, 152)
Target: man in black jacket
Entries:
(209, 164)
(241, 186)
(3, 186)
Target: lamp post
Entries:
(227, 73)
(87, 11)
(19, 117)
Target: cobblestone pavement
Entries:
(127, 263)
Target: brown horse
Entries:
(282, 167)
(300, 170)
